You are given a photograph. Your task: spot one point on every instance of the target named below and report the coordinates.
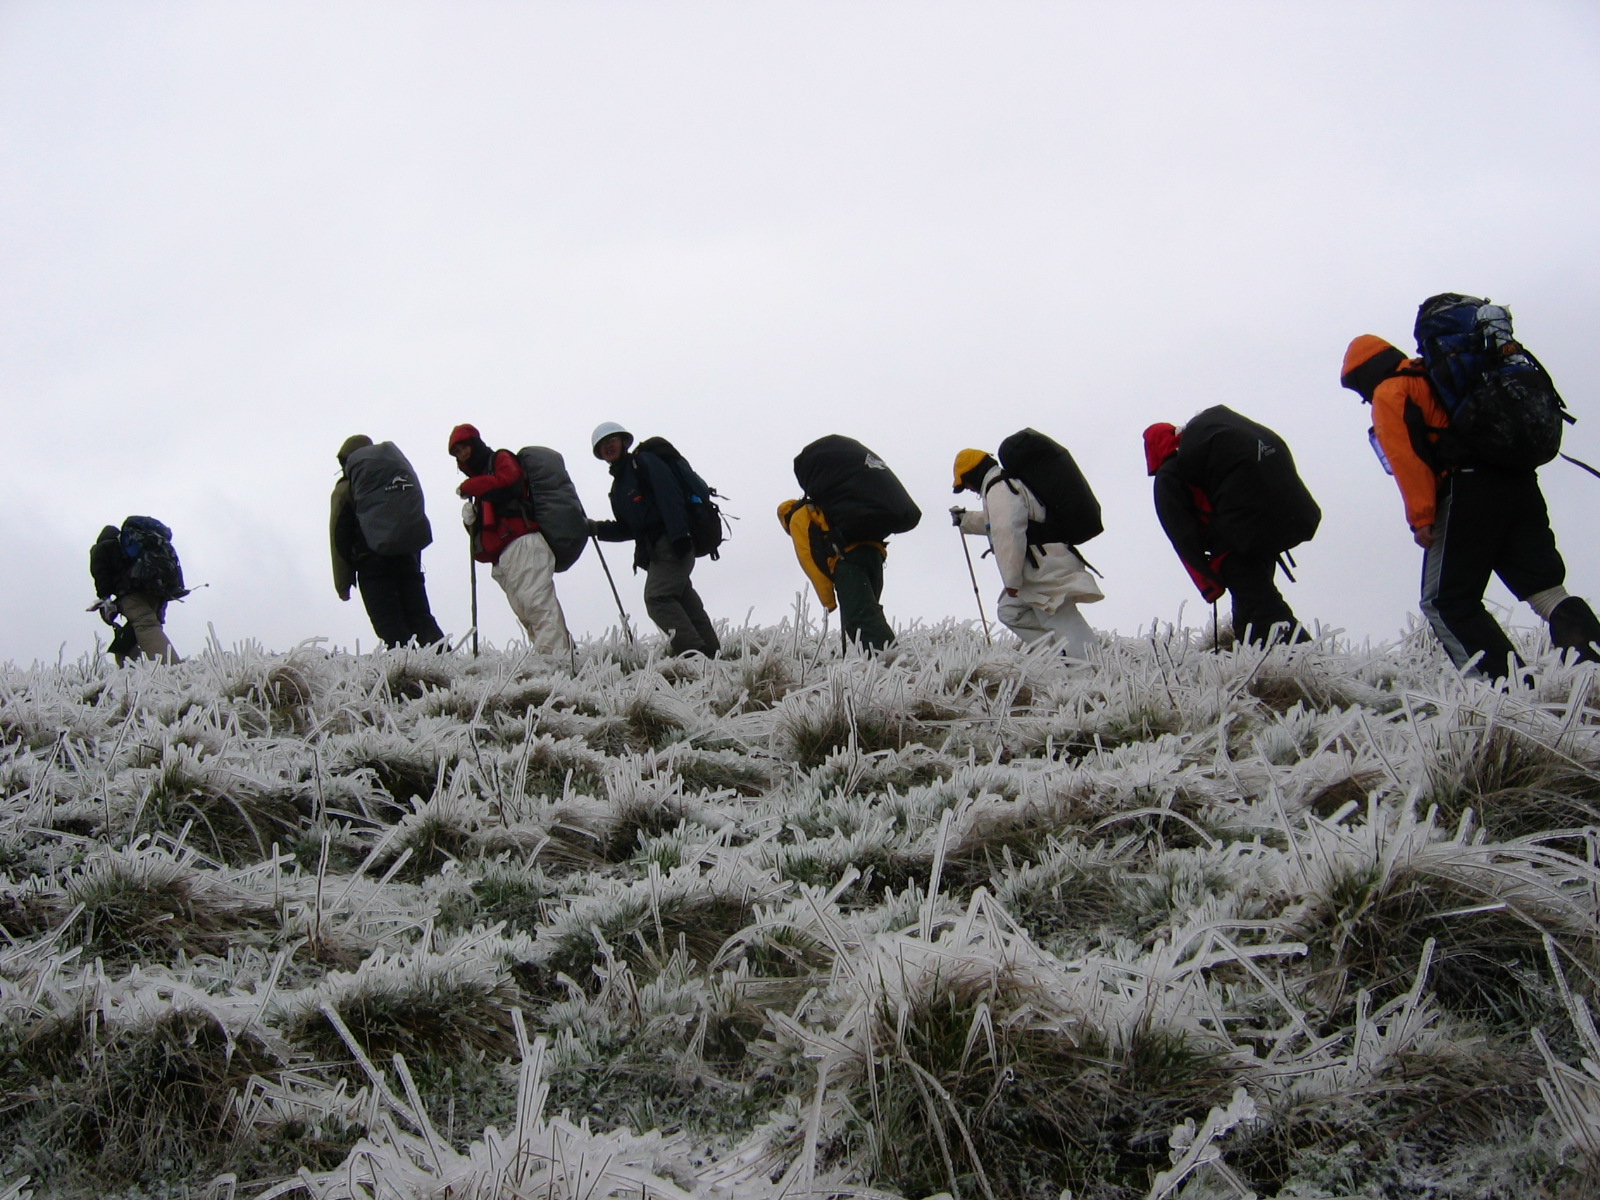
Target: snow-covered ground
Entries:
(965, 920)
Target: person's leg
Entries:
(1066, 625)
(666, 584)
(414, 599)
(1468, 530)
(694, 608)
(526, 573)
(858, 585)
(1258, 607)
(381, 594)
(1531, 566)
(144, 614)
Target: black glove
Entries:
(956, 513)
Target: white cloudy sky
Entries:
(233, 234)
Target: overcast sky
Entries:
(233, 234)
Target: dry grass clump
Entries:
(518, 894)
(425, 1006)
(977, 1086)
(717, 771)
(1371, 914)
(143, 1104)
(139, 905)
(225, 814)
(847, 713)
(1517, 779)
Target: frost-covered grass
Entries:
(1315, 922)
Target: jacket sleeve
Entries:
(105, 567)
(1007, 511)
(344, 575)
(1418, 483)
(671, 505)
(975, 523)
(507, 473)
(1185, 531)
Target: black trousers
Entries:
(1257, 603)
(396, 599)
(858, 586)
(1489, 522)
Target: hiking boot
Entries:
(1573, 626)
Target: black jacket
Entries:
(1232, 486)
(648, 504)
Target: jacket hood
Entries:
(970, 463)
(1160, 443)
(463, 433)
(1368, 361)
(356, 442)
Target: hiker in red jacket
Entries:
(1471, 521)
(500, 520)
(1231, 503)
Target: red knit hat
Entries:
(462, 433)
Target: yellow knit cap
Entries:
(966, 461)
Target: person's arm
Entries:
(1007, 514)
(507, 473)
(1180, 520)
(1418, 482)
(339, 541)
(661, 481)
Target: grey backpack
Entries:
(555, 503)
(388, 500)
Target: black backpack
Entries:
(706, 527)
(1260, 504)
(1504, 408)
(1045, 468)
(388, 500)
(855, 489)
(554, 503)
(153, 567)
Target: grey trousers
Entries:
(674, 605)
(146, 615)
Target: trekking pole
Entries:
(621, 612)
(472, 564)
(976, 594)
(1216, 636)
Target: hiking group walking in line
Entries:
(1462, 427)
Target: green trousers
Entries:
(858, 584)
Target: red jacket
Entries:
(498, 496)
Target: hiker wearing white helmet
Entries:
(650, 506)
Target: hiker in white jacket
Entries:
(1043, 584)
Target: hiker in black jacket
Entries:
(652, 511)
(392, 586)
(1229, 499)
(139, 598)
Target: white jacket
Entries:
(1052, 574)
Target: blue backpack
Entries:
(153, 568)
(1503, 406)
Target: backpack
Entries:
(855, 489)
(388, 500)
(1260, 505)
(1504, 408)
(153, 567)
(554, 503)
(705, 517)
(1045, 468)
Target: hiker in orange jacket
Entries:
(1471, 521)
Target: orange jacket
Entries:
(1388, 383)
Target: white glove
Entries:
(469, 514)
